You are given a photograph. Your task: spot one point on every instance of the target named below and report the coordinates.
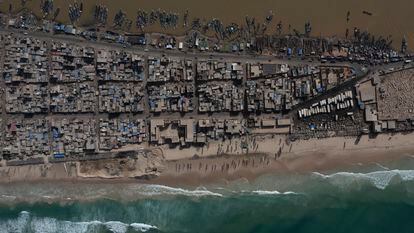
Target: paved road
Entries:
(150, 51)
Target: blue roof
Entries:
(59, 155)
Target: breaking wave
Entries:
(380, 179)
(69, 193)
(275, 192)
(25, 222)
(151, 190)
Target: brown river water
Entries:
(328, 17)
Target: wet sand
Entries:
(328, 17)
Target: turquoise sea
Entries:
(368, 198)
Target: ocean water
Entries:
(367, 198)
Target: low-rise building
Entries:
(26, 138)
(269, 95)
(73, 98)
(31, 98)
(25, 60)
(115, 65)
(171, 98)
(121, 97)
(116, 133)
(218, 70)
(169, 70)
(218, 97)
(73, 137)
(174, 132)
(72, 63)
(266, 70)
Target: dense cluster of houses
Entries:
(71, 63)
(167, 69)
(25, 60)
(116, 65)
(121, 98)
(77, 99)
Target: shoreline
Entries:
(301, 157)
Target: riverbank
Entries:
(386, 19)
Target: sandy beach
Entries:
(216, 163)
(295, 157)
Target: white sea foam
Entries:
(27, 223)
(380, 179)
(15, 225)
(125, 192)
(142, 227)
(116, 226)
(274, 192)
(52, 225)
(151, 190)
(7, 198)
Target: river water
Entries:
(328, 17)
